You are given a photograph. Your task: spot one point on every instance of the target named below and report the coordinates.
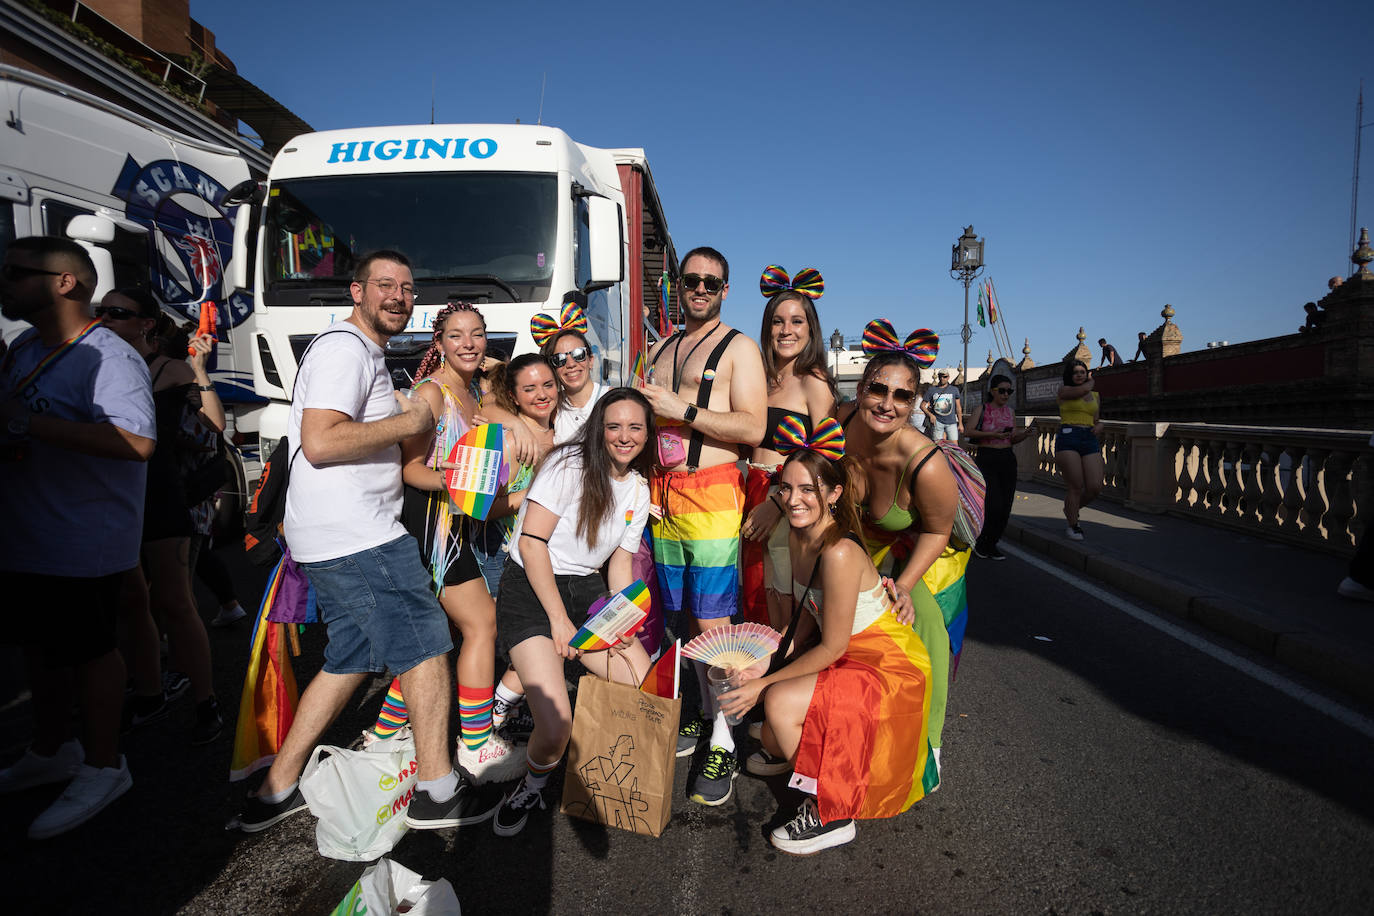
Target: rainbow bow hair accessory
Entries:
(808, 282)
(921, 345)
(570, 318)
(827, 440)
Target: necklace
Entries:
(677, 367)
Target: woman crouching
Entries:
(847, 713)
(587, 505)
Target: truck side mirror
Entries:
(241, 260)
(248, 191)
(93, 233)
(607, 243)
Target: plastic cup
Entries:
(722, 682)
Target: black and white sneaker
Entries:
(690, 735)
(174, 684)
(716, 782)
(140, 711)
(762, 763)
(805, 835)
(469, 805)
(515, 810)
(257, 815)
(995, 554)
(518, 726)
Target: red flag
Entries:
(661, 680)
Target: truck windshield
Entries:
(468, 235)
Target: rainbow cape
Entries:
(268, 702)
(662, 679)
(618, 615)
(480, 472)
(946, 582)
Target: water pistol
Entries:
(208, 320)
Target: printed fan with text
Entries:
(737, 646)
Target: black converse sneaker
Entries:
(257, 815)
(469, 805)
(518, 725)
(762, 763)
(515, 809)
(805, 835)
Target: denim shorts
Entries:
(1078, 439)
(379, 610)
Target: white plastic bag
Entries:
(360, 797)
(388, 887)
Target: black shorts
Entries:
(69, 620)
(415, 518)
(519, 613)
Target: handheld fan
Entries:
(612, 618)
(736, 646)
(480, 470)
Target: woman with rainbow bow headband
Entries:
(907, 501)
(566, 349)
(846, 711)
(800, 389)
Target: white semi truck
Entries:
(517, 219)
(514, 218)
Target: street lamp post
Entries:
(966, 262)
(837, 345)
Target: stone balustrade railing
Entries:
(1313, 487)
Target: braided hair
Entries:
(434, 356)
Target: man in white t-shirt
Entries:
(76, 432)
(343, 507)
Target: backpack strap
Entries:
(708, 379)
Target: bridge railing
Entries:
(1313, 487)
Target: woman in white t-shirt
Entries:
(586, 508)
(566, 349)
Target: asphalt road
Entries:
(1092, 765)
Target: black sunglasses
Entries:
(577, 355)
(115, 312)
(1002, 390)
(900, 395)
(14, 272)
(712, 284)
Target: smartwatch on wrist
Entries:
(690, 413)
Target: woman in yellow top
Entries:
(1077, 452)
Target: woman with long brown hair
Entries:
(800, 387)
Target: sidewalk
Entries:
(1275, 598)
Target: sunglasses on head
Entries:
(879, 391)
(115, 312)
(712, 284)
(577, 355)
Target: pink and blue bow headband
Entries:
(826, 440)
(921, 345)
(570, 318)
(808, 282)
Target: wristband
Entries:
(206, 387)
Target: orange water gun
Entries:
(209, 318)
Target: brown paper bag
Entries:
(621, 757)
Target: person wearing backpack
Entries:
(909, 500)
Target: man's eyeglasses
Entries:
(389, 287)
(1002, 390)
(878, 391)
(13, 272)
(115, 312)
(577, 355)
(712, 284)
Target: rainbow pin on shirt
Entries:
(612, 619)
(480, 470)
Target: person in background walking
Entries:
(943, 409)
(993, 434)
(1077, 451)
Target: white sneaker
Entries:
(805, 835)
(227, 617)
(1073, 533)
(35, 770)
(762, 763)
(495, 761)
(1349, 588)
(87, 796)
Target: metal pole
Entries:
(967, 335)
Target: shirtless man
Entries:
(706, 384)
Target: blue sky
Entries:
(1114, 158)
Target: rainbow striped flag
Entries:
(480, 472)
(662, 679)
(612, 619)
(267, 705)
(946, 582)
(639, 372)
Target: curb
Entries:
(1321, 657)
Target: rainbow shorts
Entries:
(696, 541)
